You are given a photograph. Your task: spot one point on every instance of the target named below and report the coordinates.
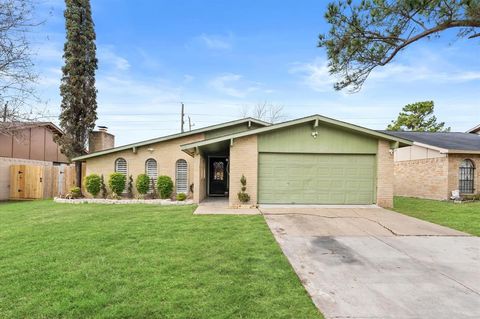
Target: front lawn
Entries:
(464, 217)
(141, 261)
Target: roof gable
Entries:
(475, 130)
(314, 119)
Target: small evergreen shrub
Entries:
(75, 192)
(93, 184)
(181, 197)
(142, 184)
(130, 187)
(153, 193)
(116, 182)
(164, 186)
(243, 197)
(103, 187)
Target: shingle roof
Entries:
(447, 140)
(173, 136)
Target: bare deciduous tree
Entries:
(264, 111)
(17, 76)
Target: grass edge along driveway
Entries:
(463, 217)
(142, 261)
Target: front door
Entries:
(218, 179)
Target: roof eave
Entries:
(170, 137)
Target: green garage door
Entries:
(316, 179)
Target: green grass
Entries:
(464, 217)
(140, 261)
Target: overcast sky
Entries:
(219, 56)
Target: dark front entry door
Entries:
(218, 176)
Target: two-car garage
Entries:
(293, 178)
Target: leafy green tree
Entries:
(79, 95)
(418, 117)
(370, 33)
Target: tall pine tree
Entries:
(79, 95)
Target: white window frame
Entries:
(148, 171)
(181, 187)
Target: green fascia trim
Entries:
(313, 118)
(171, 137)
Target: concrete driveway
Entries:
(373, 263)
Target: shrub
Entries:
(164, 186)
(142, 183)
(130, 187)
(242, 195)
(181, 197)
(75, 192)
(153, 193)
(93, 184)
(116, 182)
(103, 187)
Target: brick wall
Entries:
(243, 160)
(423, 178)
(454, 161)
(165, 153)
(384, 175)
(199, 178)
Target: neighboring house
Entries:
(32, 141)
(475, 130)
(29, 144)
(437, 164)
(312, 160)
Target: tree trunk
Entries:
(78, 173)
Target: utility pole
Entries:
(190, 124)
(182, 118)
(5, 108)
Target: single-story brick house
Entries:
(311, 160)
(437, 164)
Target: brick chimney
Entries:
(100, 140)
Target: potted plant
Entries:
(243, 196)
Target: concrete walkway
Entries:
(374, 263)
(219, 206)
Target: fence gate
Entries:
(26, 182)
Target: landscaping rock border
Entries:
(121, 201)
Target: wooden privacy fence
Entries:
(36, 182)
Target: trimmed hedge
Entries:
(165, 186)
(116, 182)
(142, 184)
(93, 184)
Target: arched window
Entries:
(151, 171)
(466, 177)
(181, 176)
(151, 168)
(121, 166)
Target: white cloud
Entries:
(314, 74)
(107, 55)
(216, 42)
(422, 72)
(231, 84)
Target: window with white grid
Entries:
(121, 166)
(181, 176)
(151, 171)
